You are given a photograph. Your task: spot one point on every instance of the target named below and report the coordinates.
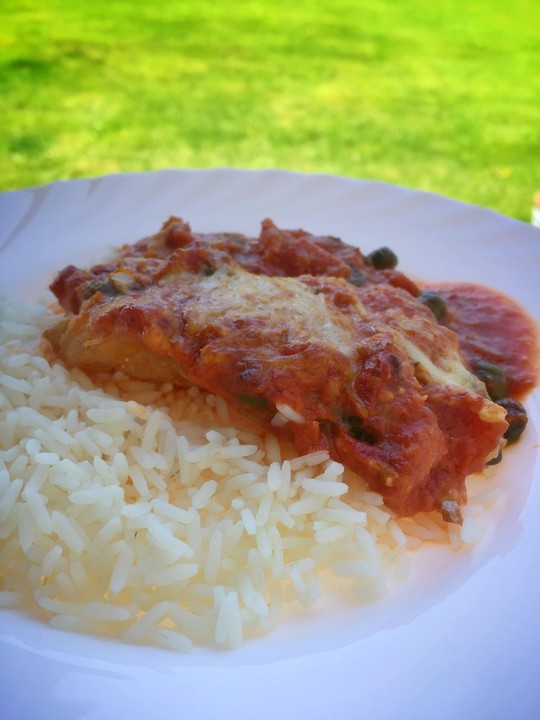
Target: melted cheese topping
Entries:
(453, 372)
(311, 316)
(286, 302)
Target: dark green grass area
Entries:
(442, 96)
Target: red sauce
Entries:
(493, 328)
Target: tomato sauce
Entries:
(495, 329)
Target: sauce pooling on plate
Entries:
(493, 329)
(498, 340)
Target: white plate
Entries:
(461, 639)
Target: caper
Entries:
(255, 401)
(516, 417)
(382, 259)
(357, 278)
(434, 302)
(495, 460)
(104, 285)
(357, 430)
(494, 378)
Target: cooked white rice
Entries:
(156, 516)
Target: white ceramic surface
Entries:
(459, 640)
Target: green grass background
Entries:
(436, 95)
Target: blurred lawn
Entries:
(439, 95)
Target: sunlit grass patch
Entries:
(438, 96)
